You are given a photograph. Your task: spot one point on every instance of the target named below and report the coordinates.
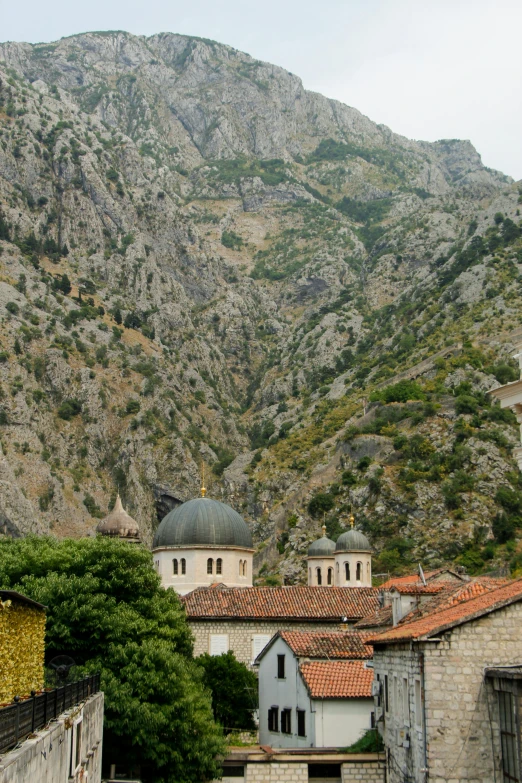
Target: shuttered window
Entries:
(218, 643)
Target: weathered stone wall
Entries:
(47, 757)
(241, 633)
(359, 770)
(460, 707)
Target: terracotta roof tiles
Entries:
(292, 602)
(329, 644)
(460, 610)
(337, 679)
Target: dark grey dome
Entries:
(352, 541)
(203, 521)
(323, 547)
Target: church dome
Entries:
(352, 541)
(323, 547)
(203, 522)
(119, 523)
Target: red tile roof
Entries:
(293, 602)
(420, 589)
(337, 679)
(429, 576)
(379, 619)
(328, 644)
(460, 610)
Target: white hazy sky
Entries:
(428, 69)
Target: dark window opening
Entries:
(219, 566)
(233, 772)
(386, 694)
(280, 667)
(508, 737)
(347, 571)
(183, 566)
(301, 723)
(210, 565)
(273, 719)
(286, 721)
(358, 572)
(330, 576)
(324, 771)
(175, 567)
(319, 577)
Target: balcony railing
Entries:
(26, 716)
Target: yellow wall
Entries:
(22, 642)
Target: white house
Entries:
(315, 690)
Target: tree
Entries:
(234, 690)
(107, 610)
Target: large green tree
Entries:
(107, 609)
(234, 690)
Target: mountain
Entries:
(202, 262)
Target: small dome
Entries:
(323, 547)
(352, 541)
(119, 523)
(203, 521)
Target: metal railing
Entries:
(26, 716)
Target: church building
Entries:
(347, 563)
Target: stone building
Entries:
(315, 689)
(448, 703)
(203, 542)
(245, 619)
(22, 645)
(119, 524)
(345, 563)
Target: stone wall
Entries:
(241, 633)
(47, 757)
(262, 768)
(460, 708)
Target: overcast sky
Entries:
(429, 69)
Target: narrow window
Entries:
(219, 566)
(280, 667)
(358, 572)
(379, 692)
(319, 577)
(244, 567)
(386, 694)
(273, 719)
(347, 571)
(508, 736)
(309, 574)
(372, 720)
(368, 570)
(405, 701)
(183, 566)
(240, 568)
(286, 721)
(418, 704)
(301, 723)
(210, 566)
(329, 578)
(175, 567)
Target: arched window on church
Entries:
(244, 567)
(219, 566)
(347, 572)
(368, 570)
(358, 572)
(329, 577)
(175, 567)
(309, 575)
(210, 566)
(240, 568)
(183, 566)
(319, 577)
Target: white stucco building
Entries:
(315, 690)
(203, 542)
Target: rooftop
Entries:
(412, 580)
(12, 595)
(461, 609)
(330, 644)
(337, 679)
(296, 602)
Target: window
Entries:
(386, 694)
(329, 578)
(395, 696)
(175, 567)
(240, 568)
(233, 771)
(319, 577)
(324, 771)
(273, 719)
(358, 572)
(219, 566)
(368, 570)
(244, 567)
(218, 643)
(286, 721)
(280, 667)
(76, 748)
(418, 704)
(508, 737)
(379, 692)
(405, 701)
(347, 571)
(301, 723)
(309, 574)
(259, 642)
(372, 720)
(210, 566)
(183, 566)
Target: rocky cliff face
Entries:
(203, 262)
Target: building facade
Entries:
(345, 563)
(22, 645)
